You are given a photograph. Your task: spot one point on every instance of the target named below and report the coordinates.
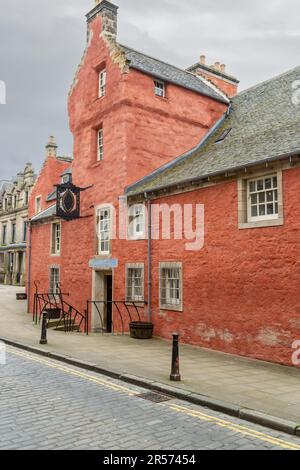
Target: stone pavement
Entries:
(246, 383)
(45, 405)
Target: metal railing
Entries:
(70, 318)
(122, 314)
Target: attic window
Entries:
(223, 135)
(159, 88)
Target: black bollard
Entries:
(175, 373)
(44, 329)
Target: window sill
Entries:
(262, 224)
(99, 98)
(136, 238)
(171, 308)
(140, 303)
(96, 164)
(164, 98)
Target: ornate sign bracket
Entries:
(68, 201)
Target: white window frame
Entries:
(54, 282)
(245, 218)
(263, 203)
(56, 238)
(167, 301)
(131, 284)
(100, 145)
(104, 241)
(38, 204)
(102, 82)
(160, 88)
(137, 221)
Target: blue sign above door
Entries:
(101, 264)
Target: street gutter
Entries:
(253, 416)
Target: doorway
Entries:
(109, 298)
(102, 311)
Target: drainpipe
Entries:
(29, 267)
(149, 257)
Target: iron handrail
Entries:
(69, 314)
(117, 304)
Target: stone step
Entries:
(62, 328)
(59, 326)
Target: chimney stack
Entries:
(202, 59)
(217, 74)
(109, 14)
(51, 147)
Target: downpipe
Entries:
(28, 282)
(149, 257)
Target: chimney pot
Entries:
(223, 68)
(51, 147)
(202, 59)
(217, 66)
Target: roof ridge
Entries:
(265, 82)
(219, 94)
(208, 68)
(155, 58)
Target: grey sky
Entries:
(42, 43)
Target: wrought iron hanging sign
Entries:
(68, 201)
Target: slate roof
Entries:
(195, 67)
(46, 214)
(265, 123)
(5, 186)
(171, 74)
(52, 196)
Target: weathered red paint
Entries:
(240, 290)
(228, 87)
(141, 133)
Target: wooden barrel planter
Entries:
(141, 330)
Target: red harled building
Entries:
(147, 133)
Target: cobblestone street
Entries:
(48, 405)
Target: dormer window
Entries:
(159, 88)
(102, 83)
(223, 135)
(136, 226)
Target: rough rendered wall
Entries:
(241, 291)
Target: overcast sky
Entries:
(41, 43)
